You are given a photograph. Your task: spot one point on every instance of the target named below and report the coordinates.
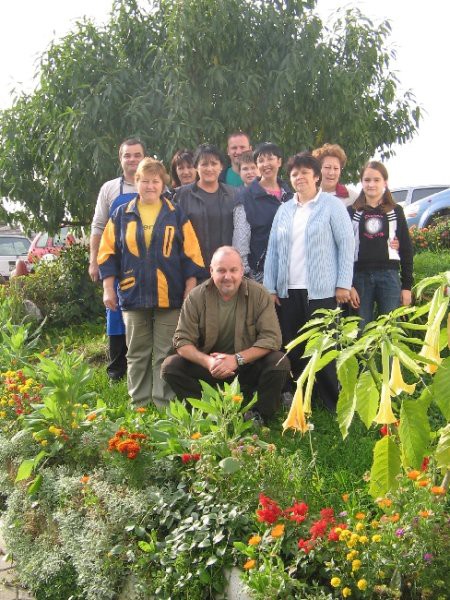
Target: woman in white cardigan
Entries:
(309, 263)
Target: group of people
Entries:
(217, 269)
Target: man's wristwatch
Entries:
(239, 359)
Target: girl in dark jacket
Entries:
(383, 249)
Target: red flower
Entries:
(270, 511)
(186, 458)
(305, 545)
(384, 430)
(297, 512)
(333, 536)
(327, 514)
(318, 529)
(266, 502)
(425, 463)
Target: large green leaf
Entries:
(206, 407)
(347, 374)
(440, 388)
(442, 454)
(367, 397)
(385, 468)
(414, 432)
(25, 469)
(230, 465)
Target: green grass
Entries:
(427, 264)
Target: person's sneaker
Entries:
(286, 399)
(255, 417)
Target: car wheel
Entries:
(436, 218)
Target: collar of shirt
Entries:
(309, 203)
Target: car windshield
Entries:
(13, 246)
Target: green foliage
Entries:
(187, 71)
(62, 289)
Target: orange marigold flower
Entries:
(128, 446)
(277, 531)
(413, 475)
(237, 398)
(384, 502)
(91, 417)
(196, 436)
(141, 409)
(394, 518)
(345, 497)
(423, 482)
(138, 436)
(438, 490)
(250, 564)
(424, 514)
(360, 516)
(85, 479)
(254, 540)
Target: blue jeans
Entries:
(382, 287)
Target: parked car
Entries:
(12, 248)
(408, 195)
(428, 210)
(49, 246)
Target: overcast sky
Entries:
(420, 34)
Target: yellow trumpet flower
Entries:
(296, 416)
(431, 348)
(385, 415)
(396, 382)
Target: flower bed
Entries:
(98, 495)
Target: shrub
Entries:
(62, 290)
(434, 238)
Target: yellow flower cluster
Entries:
(55, 430)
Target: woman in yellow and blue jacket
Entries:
(150, 248)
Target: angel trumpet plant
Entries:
(320, 337)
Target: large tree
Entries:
(184, 71)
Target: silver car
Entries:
(12, 247)
(408, 195)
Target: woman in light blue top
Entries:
(309, 263)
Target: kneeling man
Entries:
(227, 328)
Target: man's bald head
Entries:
(227, 271)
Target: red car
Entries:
(46, 245)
